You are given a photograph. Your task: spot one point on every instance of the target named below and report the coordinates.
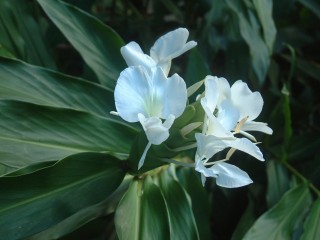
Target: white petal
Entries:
(249, 103)
(143, 156)
(229, 176)
(214, 126)
(134, 56)
(175, 96)
(256, 126)
(171, 45)
(245, 145)
(154, 129)
(228, 115)
(211, 93)
(132, 93)
(208, 146)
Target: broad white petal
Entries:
(211, 93)
(154, 129)
(228, 115)
(169, 95)
(134, 56)
(245, 145)
(256, 126)
(229, 176)
(171, 45)
(132, 93)
(249, 103)
(208, 145)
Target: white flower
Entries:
(228, 111)
(167, 47)
(226, 175)
(147, 96)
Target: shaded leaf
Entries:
(142, 213)
(98, 44)
(21, 34)
(278, 182)
(313, 5)
(32, 133)
(31, 203)
(264, 12)
(181, 220)
(250, 32)
(279, 221)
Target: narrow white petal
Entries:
(143, 156)
(211, 93)
(229, 176)
(256, 126)
(154, 129)
(171, 45)
(134, 56)
(132, 93)
(245, 145)
(249, 103)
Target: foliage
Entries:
(67, 166)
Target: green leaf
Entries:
(24, 82)
(312, 223)
(142, 213)
(21, 34)
(83, 217)
(278, 182)
(250, 32)
(279, 221)
(32, 203)
(191, 182)
(313, 5)
(264, 12)
(181, 219)
(31, 133)
(98, 44)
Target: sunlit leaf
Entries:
(181, 219)
(24, 82)
(312, 223)
(279, 221)
(142, 213)
(32, 133)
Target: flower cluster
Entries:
(144, 93)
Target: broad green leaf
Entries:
(181, 220)
(84, 216)
(191, 182)
(264, 12)
(31, 134)
(250, 32)
(5, 52)
(34, 202)
(278, 182)
(312, 223)
(279, 221)
(24, 82)
(98, 44)
(313, 5)
(21, 34)
(142, 213)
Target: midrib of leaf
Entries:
(65, 187)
